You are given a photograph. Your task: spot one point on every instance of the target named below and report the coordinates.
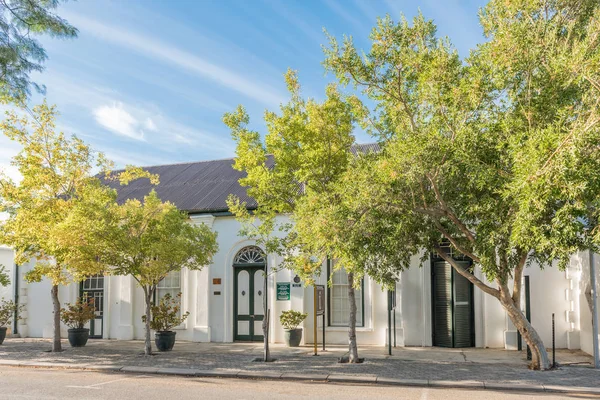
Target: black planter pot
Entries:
(293, 337)
(78, 337)
(164, 340)
(2, 333)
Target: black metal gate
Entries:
(93, 288)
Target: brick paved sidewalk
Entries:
(490, 368)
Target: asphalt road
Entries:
(24, 383)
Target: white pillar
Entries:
(126, 296)
(201, 289)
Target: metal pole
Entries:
(553, 343)
(323, 327)
(594, 311)
(16, 295)
(527, 310)
(389, 322)
(394, 327)
(315, 338)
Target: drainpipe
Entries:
(594, 310)
(16, 296)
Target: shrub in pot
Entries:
(165, 316)
(290, 320)
(8, 308)
(75, 316)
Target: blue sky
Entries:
(147, 81)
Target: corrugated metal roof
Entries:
(197, 187)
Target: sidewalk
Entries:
(436, 367)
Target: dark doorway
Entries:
(452, 306)
(93, 288)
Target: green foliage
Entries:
(307, 149)
(8, 308)
(20, 51)
(495, 155)
(57, 174)
(145, 239)
(165, 315)
(4, 279)
(467, 142)
(290, 319)
(77, 315)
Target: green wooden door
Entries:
(248, 300)
(452, 307)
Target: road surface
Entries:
(25, 383)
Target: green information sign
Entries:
(283, 290)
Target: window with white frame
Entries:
(339, 303)
(170, 284)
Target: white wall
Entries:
(7, 260)
(582, 292)
(548, 289)
(211, 317)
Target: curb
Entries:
(290, 376)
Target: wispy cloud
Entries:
(114, 118)
(312, 32)
(343, 12)
(366, 7)
(396, 9)
(150, 125)
(168, 53)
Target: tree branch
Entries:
(454, 243)
(469, 276)
(463, 228)
(518, 273)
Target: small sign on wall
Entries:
(216, 281)
(283, 291)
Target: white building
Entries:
(225, 298)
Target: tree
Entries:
(297, 171)
(4, 279)
(467, 144)
(57, 174)
(145, 239)
(20, 51)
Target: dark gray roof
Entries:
(197, 187)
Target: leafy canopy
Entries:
(467, 141)
(58, 198)
(145, 239)
(21, 21)
(57, 173)
(296, 171)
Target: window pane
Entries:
(170, 284)
(340, 304)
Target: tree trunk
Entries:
(353, 350)
(513, 309)
(148, 299)
(56, 345)
(532, 338)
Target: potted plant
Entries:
(8, 308)
(290, 320)
(75, 316)
(165, 316)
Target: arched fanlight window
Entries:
(250, 255)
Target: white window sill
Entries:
(345, 329)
